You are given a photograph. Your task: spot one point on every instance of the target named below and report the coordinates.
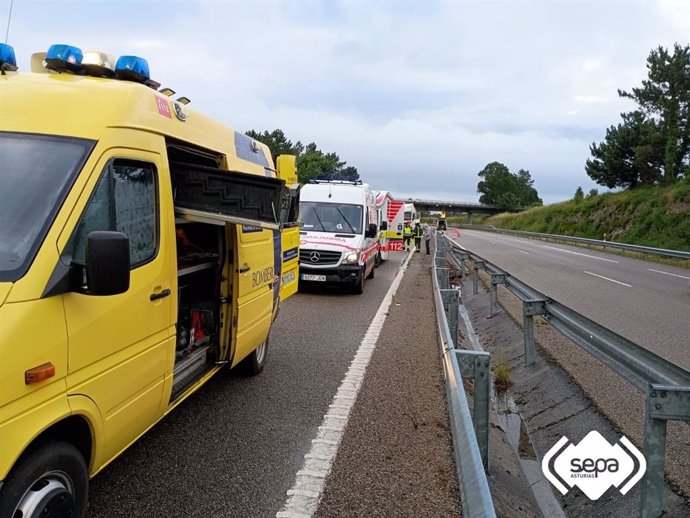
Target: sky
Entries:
(419, 95)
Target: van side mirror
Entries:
(384, 225)
(107, 263)
(371, 231)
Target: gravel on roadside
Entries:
(396, 458)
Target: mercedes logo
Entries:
(314, 257)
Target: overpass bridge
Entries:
(454, 207)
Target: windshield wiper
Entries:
(318, 219)
(352, 229)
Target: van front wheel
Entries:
(359, 287)
(51, 480)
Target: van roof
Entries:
(336, 193)
(84, 106)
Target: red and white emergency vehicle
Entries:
(390, 213)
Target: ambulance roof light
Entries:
(99, 64)
(8, 61)
(64, 58)
(132, 68)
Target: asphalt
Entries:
(395, 458)
(652, 311)
(233, 448)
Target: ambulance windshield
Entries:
(331, 217)
(36, 171)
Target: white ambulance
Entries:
(338, 234)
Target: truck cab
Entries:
(338, 233)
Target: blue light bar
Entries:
(7, 58)
(64, 58)
(132, 68)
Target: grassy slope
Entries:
(656, 216)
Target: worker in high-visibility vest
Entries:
(407, 236)
(418, 236)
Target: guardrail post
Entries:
(443, 281)
(477, 265)
(477, 365)
(463, 266)
(440, 259)
(496, 279)
(663, 403)
(451, 303)
(530, 308)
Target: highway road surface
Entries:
(646, 302)
(234, 447)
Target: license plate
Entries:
(288, 277)
(310, 277)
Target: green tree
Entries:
(312, 163)
(631, 154)
(277, 142)
(315, 164)
(501, 188)
(665, 97)
(592, 193)
(579, 195)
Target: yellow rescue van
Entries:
(142, 247)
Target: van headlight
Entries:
(351, 258)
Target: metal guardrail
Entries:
(678, 254)
(666, 384)
(470, 441)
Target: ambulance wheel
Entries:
(255, 362)
(359, 287)
(50, 481)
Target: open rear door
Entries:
(217, 196)
(289, 238)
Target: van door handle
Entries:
(244, 268)
(161, 295)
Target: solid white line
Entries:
(522, 251)
(612, 280)
(579, 253)
(303, 497)
(667, 273)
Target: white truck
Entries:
(338, 234)
(411, 215)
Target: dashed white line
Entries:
(607, 279)
(521, 251)
(579, 253)
(667, 273)
(303, 498)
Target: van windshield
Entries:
(36, 171)
(330, 217)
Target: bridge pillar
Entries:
(469, 217)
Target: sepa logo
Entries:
(594, 465)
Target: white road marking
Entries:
(579, 253)
(612, 280)
(303, 498)
(521, 251)
(667, 273)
